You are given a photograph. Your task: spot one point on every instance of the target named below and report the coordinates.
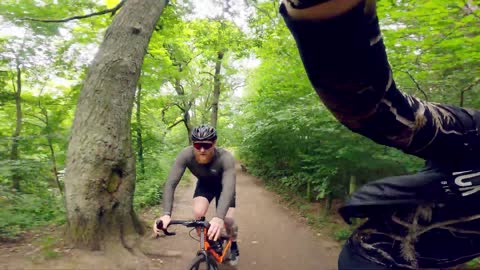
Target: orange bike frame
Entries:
(206, 246)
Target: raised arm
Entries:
(342, 50)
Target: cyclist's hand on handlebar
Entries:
(216, 226)
(165, 219)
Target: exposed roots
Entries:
(133, 252)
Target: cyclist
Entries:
(426, 220)
(215, 169)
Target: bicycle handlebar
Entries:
(187, 223)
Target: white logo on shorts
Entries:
(467, 186)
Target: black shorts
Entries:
(204, 189)
(349, 260)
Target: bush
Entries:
(342, 234)
(148, 192)
(21, 212)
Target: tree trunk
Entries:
(54, 163)
(138, 130)
(100, 167)
(328, 203)
(353, 184)
(188, 122)
(216, 89)
(466, 89)
(186, 106)
(53, 157)
(14, 155)
(462, 98)
(309, 190)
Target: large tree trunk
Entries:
(14, 155)
(138, 130)
(100, 167)
(216, 89)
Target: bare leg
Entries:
(200, 207)
(232, 228)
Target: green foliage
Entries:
(275, 124)
(52, 59)
(289, 138)
(47, 247)
(21, 212)
(474, 264)
(342, 234)
(433, 48)
(148, 192)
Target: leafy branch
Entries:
(466, 89)
(106, 11)
(417, 84)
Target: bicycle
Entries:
(206, 255)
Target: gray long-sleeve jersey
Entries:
(220, 172)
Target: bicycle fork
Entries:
(211, 262)
(207, 251)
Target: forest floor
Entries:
(271, 236)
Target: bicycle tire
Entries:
(197, 262)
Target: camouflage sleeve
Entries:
(346, 63)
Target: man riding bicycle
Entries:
(215, 169)
(428, 220)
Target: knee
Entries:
(232, 228)
(198, 212)
(229, 222)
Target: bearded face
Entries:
(204, 151)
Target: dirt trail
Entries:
(270, 236)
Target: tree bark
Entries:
(353, 184)
(53, 157)
(138, 130)
(216, 89)
(14, 152)
(186, 106)
(187, 121)
(466, 89)
(309, 190)
(100, 167)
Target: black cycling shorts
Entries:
(209, 191)
(350, 260)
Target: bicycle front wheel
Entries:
(200, 263)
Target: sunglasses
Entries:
(200, 145)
